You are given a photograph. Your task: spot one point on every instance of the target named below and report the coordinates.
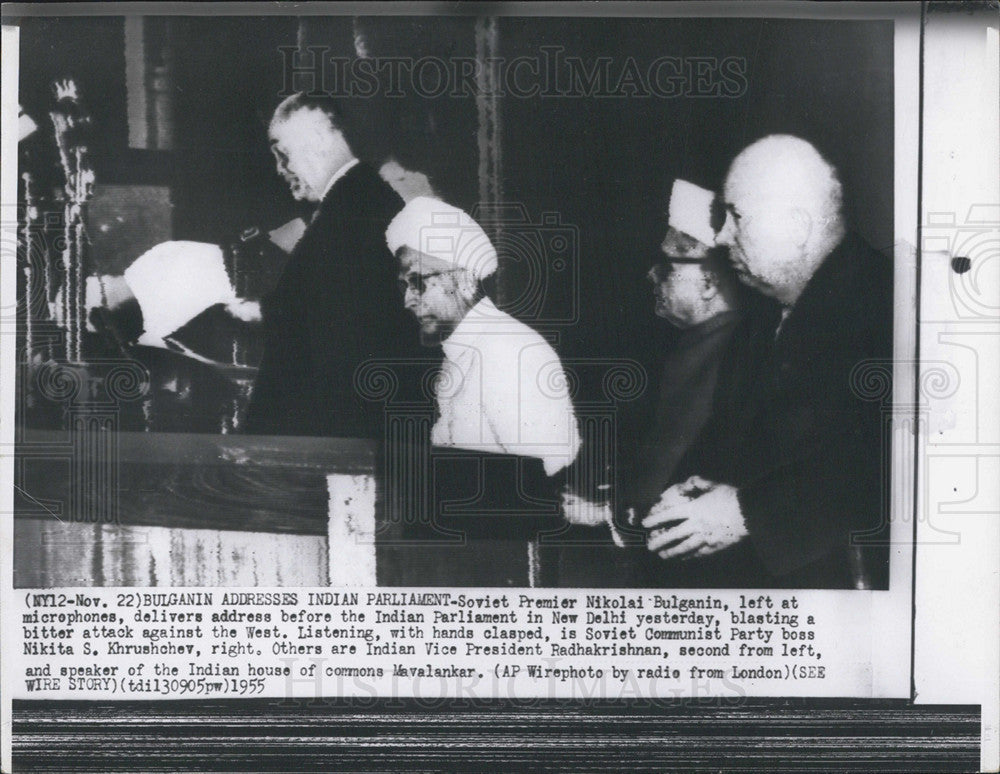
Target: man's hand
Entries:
(693, 519)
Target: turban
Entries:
(174, 282)
(690, 211)
(435, 228)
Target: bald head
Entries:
(787, 169)
(783, 202)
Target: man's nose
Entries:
(725, 235)
(651, 275)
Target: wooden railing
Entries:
(174, 509)
(99, 507)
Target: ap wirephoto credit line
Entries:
(560, 384)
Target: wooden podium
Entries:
(178, 509)
(98, 507)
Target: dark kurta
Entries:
(684, 404)
(335, 307)
(714, 451)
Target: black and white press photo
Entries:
(488, 387)
(446, 301)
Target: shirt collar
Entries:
(337, 175)
(455, 345)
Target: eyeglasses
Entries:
(660, 270)
(418, 282)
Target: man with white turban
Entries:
(696, 291)
(506, 430)
(502, 387)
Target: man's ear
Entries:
(800, 225)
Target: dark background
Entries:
(227, 73)
(606, 163)
(600, 165)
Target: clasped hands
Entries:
(693, 519)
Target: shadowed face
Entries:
(306, 152)
(437, 293)
(678, 291)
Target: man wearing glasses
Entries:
(696, 290)
(335, 306)
(501, 387)
(506, 431)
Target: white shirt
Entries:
(502, 389)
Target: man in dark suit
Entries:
(805, 496)
(336, 305)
